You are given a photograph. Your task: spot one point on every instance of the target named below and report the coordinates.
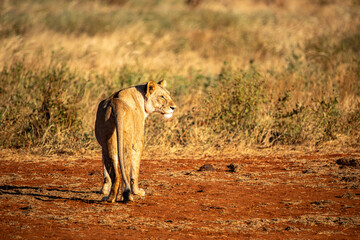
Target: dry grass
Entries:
(290, 71)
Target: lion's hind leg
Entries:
(135, 166)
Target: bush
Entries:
(39, 108)
(233, 107)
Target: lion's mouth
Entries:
(167, 115)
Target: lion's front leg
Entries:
(106, 182)
(106, 177)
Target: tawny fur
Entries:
(119, 129)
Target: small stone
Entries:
(233, 167)
(26, 208)
(348, 195)
(206, 167)
(348, 162)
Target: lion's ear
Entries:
(150, 88)
(162, 83)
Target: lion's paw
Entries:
(104, 199)
(104, 190)
(131, 198)
(140, 192)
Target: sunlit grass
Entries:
(249, 72)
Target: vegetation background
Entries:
(245, 74)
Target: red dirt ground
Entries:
(290, 196)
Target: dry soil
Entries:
(288, 196)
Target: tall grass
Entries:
(253, 73)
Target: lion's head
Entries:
(157, 99)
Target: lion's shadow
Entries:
(42, 194)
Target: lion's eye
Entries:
(163, 97)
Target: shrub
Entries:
(233, 107)
(39, 108)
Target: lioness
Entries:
(119, 129)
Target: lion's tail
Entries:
(119, 120)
